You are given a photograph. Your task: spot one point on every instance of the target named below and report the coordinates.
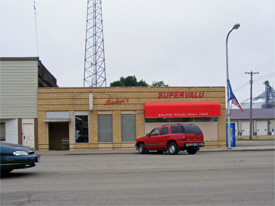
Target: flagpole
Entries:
(236, 26)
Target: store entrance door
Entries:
(58, 135)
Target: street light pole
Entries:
(236, 26)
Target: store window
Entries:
(206, 119)
(2, 131)
(183, 120)
(105, 128)
(81, 129)
(128, 127)
(168, 120)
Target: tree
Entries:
(159, 84)
(142, 83)
(128, 81)
(131, 81)
(116, 84)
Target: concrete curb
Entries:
(263, 148)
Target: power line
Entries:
(263, 67)
(255, 80)
(264, 77)
(240, 87)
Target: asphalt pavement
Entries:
(241, 145)
(207, 178)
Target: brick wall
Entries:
(117, 100)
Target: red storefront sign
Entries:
(181, 95)
(182, 109)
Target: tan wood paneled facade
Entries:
(118, 101)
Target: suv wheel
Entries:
(141, 148)
(173, 148)
(192, 151)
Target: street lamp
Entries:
(236, 26)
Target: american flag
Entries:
(236, 103)
(233, 98)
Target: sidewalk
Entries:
(240, 146)
(245, 146)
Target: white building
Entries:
(257, 104)
(263, 122)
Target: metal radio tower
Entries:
(94, 66)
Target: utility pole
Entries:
(251, 82)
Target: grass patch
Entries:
(256, 139)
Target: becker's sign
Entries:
(180, 94)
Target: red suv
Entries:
(173, 138)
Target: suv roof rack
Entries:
(176, 124)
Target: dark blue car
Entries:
(15, 156)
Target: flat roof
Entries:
(256, 114)
(18, 58)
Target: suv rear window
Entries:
(176, 129)
(193, 129)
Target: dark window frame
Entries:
(82, 126)
(4, 132)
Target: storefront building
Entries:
(114, 117)
(20, 77)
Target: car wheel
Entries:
(141, 148)
(192, 151)
(173, 148)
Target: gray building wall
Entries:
(18, 88)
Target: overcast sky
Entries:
(181, 42)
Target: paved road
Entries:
(207, 178)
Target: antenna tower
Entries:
(94, 66)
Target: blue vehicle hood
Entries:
(6, 147)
